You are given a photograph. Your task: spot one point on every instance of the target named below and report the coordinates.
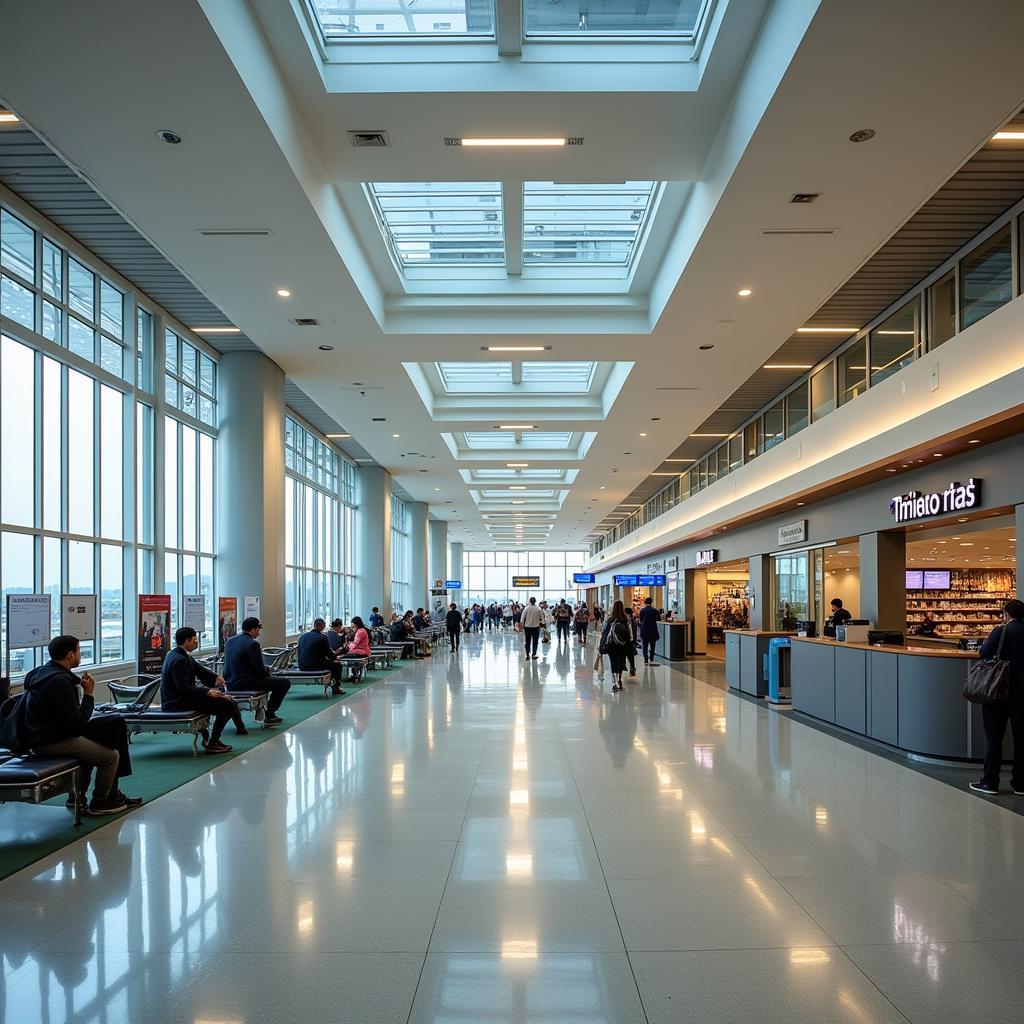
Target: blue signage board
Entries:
(626, 581)
(584, 577)
(639, 581)
(453, 584)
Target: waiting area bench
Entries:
(36, 778)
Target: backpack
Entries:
(12, 725)
(619, 634)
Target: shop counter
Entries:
(910, 698)
(673, 640)
(745, 651)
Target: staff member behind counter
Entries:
(838, 617)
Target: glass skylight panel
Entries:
(512, 475)
(367, 19)
(584, 225)
(473, 377)
(490, 438)
(546, 439)
(563, 378)
(612, 17)
(442, 223)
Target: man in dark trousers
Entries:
(315, 655)
(649, 619)
(453, 623)
(245, 669)
(57, 723)
(186, 685)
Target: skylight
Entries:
(490, 439)
(506, 377)
(579, 225)
(546, 439)
(354, 19)
(442, 224)
(496, 439)
(612, 17)
(560, 377)
(512, 474)
(472, 378)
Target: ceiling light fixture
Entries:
(548, 142)
(998, 137)
(975, 441)
(744, 292)
(517, 465)
(9, 117)
(706, 348)
(216, 330)
(396, 435)
(680, 460)
(326, 348)
(515, 348)
(337, 436)
(284, 293)
(515, 426)
(827, 330)
(709, 435)
(643, 435)
(517, 487)
(786, 366)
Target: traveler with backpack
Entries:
(58, 723)
(562, 617)
(616, 639)
(581, 620)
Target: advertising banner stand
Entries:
(28, 624)
(78, 616)
(154, 632)
(227, 620)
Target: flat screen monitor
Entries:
(915, 579)
(936, 579)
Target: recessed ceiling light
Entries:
(800, 504)
(171, 138)
(827, 330)
(216, 330)
(515, 426)
(936, 455)
(998, 137)
(515, 348)
(862, 135)
(643, 435)
(437, 488)
(337, 436)
(890, 471)
(744, 292)
(284, 293)
(680, 460)
(709, 435)
(786, 366)
(396, 435)
(326, 348)
(517, 465)
(556, 141)
(975, 441)
(601, 488)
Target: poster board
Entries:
(227, 620)
(251, 607)
(154, 632)
(78, 616)
(28, 620)
(193, 611)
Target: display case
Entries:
(971, 606)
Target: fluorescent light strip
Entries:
(515, 426)
(6, 117)
(680, 460)
(516, 348)
(827, 330)
(514, 142)
(665, 474)
(1008, 137)
(334, 436)
(785, 366)
(709, 435)
(216, 330)
(517, 465)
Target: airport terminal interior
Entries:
(509, 512)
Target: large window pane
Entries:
(17, 576)
(17, 246)
(823, 392)
(17, 302)
(82, 580)
(17, 429)
(894, 343)
(171, 495)
(986, 278)
(111, 310)
(144, 471)
(775, 424)
(112, 603)
(81, 464)
(942, 310)
(144, 351)
(796, 410)
(853, 371)
(610, 18)
(111, 464)
(52, 270)
(81, 287)
(188, 489)
(81, 339)
(206, 492)
(171, 585)
(52, 579)
(364, 19)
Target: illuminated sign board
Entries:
(955, 498)
(708, 557)
(584, 577)
(453, 584)
(639, 581)
(525, 582)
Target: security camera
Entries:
(171, 138)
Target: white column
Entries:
(418, 553)
(455, 560)
(438, 551)
(250, 491)
(373, 541)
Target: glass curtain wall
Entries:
(487, 575)
(401, 556)
(83, 428)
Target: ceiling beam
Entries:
(512, 207)
(509, 16)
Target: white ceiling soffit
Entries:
(767, 113)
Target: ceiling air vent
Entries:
(804, 197)
(798, 231)
(369, 140)
(234, 232)
(306, 321)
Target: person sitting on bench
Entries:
(186, 685)
(245, 670)
(359, 645)
(336, 635)
(315, 655)
(58, 723)
(376, 619)
(419, 620)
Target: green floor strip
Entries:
(160, 762)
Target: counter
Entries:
(910, 698)
(673, 640)
(745, 651)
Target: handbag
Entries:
(988, 679)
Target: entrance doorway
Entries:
(728, 602)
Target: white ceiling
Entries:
(767, 113)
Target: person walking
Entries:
(532, 618)
(649, 619)
(581, 621)
(616, 638)
(562, 615)
(453, 623)
(1005, 641)
(631, 649)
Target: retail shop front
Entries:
(924, 553)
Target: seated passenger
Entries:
(398, 633)
(315, 655)
(359, 645)
(419, 620)
(185, 685)
(336, 635)
(376, 619)
(245, 669)
(57, 723)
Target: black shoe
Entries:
(337, 691)
(984, 788)
(616, 687)
(216, 747)
(242, 732)
(110, 805)
(1017, 792)
(129, 801)
(82, 802)
(271, 719)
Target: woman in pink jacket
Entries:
(360, 643)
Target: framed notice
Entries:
(28, 620)
(227, 620)
(251, 608)
(154, 632)
(78, 616)
(193, 611)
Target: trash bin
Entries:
(779, 691)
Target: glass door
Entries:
(791, 592)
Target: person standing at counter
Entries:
(649, 619)
(994, 717)
(926, 626)
(839, 616)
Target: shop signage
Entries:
(656, 566)
(793, 533)
(672, 564)
(639, 581)
(525, 582)
(584, 577)
(708, 557)
(78, 616)
(453, 584)
(955, 498)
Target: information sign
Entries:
(626, 581)
(28, 620)
(525, 582)
(251, 607)
(584, 577)
(193, 611)
(78, 616)
(453, 584)
(707, 557)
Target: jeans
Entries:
(532, 634)
(994, 718)
(453, 639)
(103, 745)
(562, 628)
(649, 644)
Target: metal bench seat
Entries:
(156, 720)
(36, 778)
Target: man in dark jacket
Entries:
(419, 620)
(994, 717)
(245, 670)
(186, 685)
(315, 655)
(453, 623)
(57, 723)
(649, 619)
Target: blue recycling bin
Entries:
(778, 670)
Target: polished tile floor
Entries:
(482, 839)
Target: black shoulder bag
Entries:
(988, 679)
